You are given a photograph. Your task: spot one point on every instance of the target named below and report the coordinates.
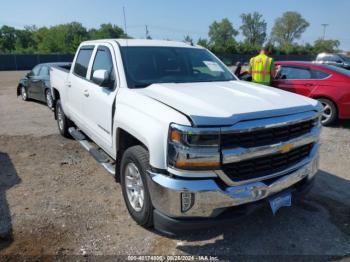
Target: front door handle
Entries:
(86, 93)
(308, 85)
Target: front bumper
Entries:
(211, 197)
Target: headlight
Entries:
(193, 148)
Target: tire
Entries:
(49, 99)
(330, 112)
(136, 157)
(24, 93)
(63, 122)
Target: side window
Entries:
(295, 73)
(82, 61)
(103, 61)
(44, 71)
(35, 71)
(316, 74)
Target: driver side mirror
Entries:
(100, 77)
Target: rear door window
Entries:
(295, 73)
(316, 74)
(82, 61)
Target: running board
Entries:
(100, 156)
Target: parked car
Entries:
(191, 144)
(334, 59)
(36, 84)
(326, 83)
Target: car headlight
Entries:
(193, 148)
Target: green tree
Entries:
(328, 46)
(222, 36)
(253, 28)
(63, 38)
(25, 42)
(288, 28)
(188, 39)
(203, 42)
(107, 31)
(7, 39)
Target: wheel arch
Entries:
(19, 89)
(125, 140)
(56, 96)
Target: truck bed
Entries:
(58, 77)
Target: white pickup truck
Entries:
(190, 143)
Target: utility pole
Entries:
(124, 21)
(324, 30)
(147, 32)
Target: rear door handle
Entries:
(308, 85)
(86, 93)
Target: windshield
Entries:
(149, 65)
(338, 69)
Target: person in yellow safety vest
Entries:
(261, 68)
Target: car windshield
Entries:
(338, 69)
(149, 65)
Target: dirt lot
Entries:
(56, 200)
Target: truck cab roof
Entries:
(144, 42)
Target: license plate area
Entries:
(283, 199)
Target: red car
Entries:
(326, 83)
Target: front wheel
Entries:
(329, 114)
(133, 170)
(24, 93)
(49, 100)
(63, 122)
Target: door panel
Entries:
(77, 83)
(296, 79)
(33, 81)
(99, 99)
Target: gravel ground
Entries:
(56, 200)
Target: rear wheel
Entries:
(63, 122)
(24, 93)
(330, 113)
(49, 100)
(134, 166)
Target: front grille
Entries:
(266, 165)
(267, 136)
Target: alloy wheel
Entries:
(327, 112)
(134, 187)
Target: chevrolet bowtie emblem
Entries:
(286, 148)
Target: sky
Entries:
(176, 18)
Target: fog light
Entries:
(187, 201)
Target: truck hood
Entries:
(225, 103)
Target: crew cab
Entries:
(190, 143)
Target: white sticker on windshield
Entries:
(213, 66)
